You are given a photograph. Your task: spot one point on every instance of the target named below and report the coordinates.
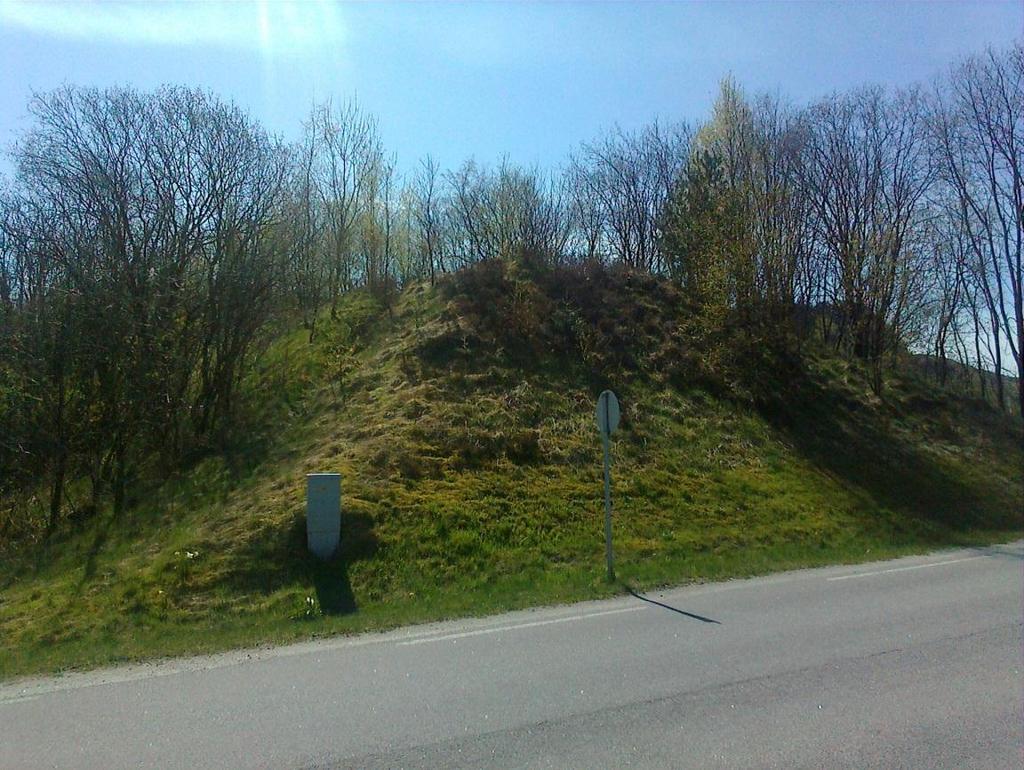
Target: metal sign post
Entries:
(607, 422)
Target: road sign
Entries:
(607, 422)
(607, 412)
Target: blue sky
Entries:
(529, 81)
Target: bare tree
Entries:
(757, 151)
(631, 177)
(587, 215)
(429, 215)
(157, 279)
(345, 154)
(945, 278)
(507, 213)
(978, 130)
(867, 172)
(303, 232)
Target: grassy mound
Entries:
(461, 420)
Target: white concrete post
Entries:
(323, 513)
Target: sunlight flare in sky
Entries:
(273, 28)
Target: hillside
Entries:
(963, 380)
(461, 420)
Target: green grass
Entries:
(471, 477)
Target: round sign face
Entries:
(607, 412)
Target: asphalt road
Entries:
(911, 663)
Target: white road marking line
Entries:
(904, 569)
(81, 680)
(21, 698)
(518, 626)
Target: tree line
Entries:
(150, 240)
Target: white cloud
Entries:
(270, 26)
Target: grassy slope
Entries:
(471, 484)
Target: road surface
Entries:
(909, 663)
